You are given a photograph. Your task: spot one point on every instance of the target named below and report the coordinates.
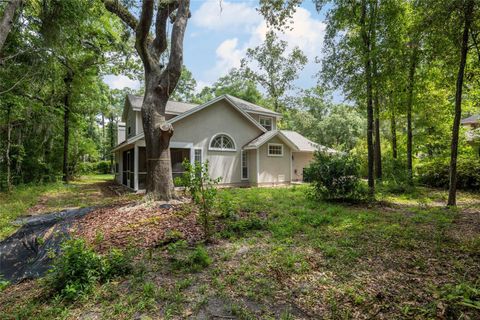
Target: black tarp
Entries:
(25, 254)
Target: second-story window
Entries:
(266, 122)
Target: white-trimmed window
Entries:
(222, 142)
(266, 122)
(244, 165)
(198, 155)
(275, 150)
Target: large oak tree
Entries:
(160, 80)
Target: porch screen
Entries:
(142, 168)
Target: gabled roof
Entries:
(294, 139)
(250, 107)
(178, 108)
(471, 120)
(173, 107)
(211, 102)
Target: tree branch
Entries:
(172, 73)
(159, 44)
(142, 33)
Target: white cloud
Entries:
(307, 33)
(219, 15)
(120, 82)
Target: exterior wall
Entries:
(130, 121)
(120, 132)
(252, 166)
(271, 167)
(300, 160)
(138, 122)
(199, 128)
(257, 118)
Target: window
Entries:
(266, 122)
(222, 142)
(129, 130)
(198, 155)
(275, 150)
(244, 165)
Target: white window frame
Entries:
(220, 149)
(274, 155)
(242, 154)
(201, 154)
(260, 118)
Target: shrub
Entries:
(436, 173)
(201, 188)
(78, 268)
(335, 177)
(103, 167)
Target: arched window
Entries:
(222, 142)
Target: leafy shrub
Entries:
(201, 188)
(335, 177)
(103, 167)
(436, 173)
(78, 268)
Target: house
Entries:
(472, 124)
(239, 139)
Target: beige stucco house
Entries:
(239, 139)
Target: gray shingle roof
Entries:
(472, 119)
(250, 107)
(300, 142)
(173, 107)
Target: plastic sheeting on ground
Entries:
(25, 254)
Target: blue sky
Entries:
(219, 32)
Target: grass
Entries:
(280, 255)
(36, 199)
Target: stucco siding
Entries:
(200, 127)
(301, 160)
(130, 122)
(272, 168)
(252, 166)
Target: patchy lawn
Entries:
(95, 190)
(280, 255)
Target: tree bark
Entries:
(393, 131)
(411, 85)
(8, 147)
(66, 123)
(452, 192)
(6, 21)
(368, 84)
(159, 84)
(377, 142)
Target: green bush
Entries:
(335, 177)
(78, 268)
(184, 258)
(103, 167)
(436, 173)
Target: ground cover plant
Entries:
(277, 253)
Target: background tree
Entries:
(6, 20)
(185, 89)
(269, 66)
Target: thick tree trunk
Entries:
(66, 123)
(368, 85)
(411, 85)
(6, 21)
(452, 192)
(157, 133)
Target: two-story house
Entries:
(239, 139)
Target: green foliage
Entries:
(185, 258)
(460, 299)
(79, 268)
(435, 173)
(3, 283)
(335, 177)
(201, 188)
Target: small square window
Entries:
(266, 122)
(275, 150)
(129, 130)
